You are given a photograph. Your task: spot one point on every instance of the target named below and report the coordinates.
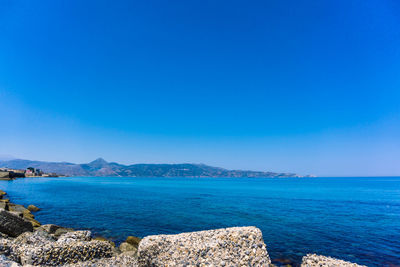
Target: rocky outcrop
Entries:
(24, 213)
(313, 260)
(55, 254)
(41, 248)
(237, 246)
(33, 208)
(13, 225)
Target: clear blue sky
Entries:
(296, 86)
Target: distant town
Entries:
(8, 174)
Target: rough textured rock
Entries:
(4, 262)
(37, 238)
(5, 246)
(100, 238)
(75, 236)
(41, 248)
(33, 208)
(23, 212)
(237, 246)
(313, 260)
(16, 207)
(60, 231)
(55, 254)
(122, 260)
(13, 225)
(27, 240)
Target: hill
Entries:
(100, 167)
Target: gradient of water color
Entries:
(355, 219)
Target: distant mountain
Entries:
(6, 157)
(100, 167)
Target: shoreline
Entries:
(127, 252)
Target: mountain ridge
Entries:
(100, 167)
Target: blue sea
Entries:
(355, 219)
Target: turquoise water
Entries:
(355, 219)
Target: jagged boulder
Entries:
(236, 246)
(313, 260)
(13, 225)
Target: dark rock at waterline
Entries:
(54, 230)
(23, 212)
(49, 228)
(13, 225)
(33, 208)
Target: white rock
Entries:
(231, 246)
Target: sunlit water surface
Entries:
(355, 219)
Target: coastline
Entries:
(105, 253)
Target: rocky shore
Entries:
(25, 242)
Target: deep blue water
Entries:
(355, 219)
